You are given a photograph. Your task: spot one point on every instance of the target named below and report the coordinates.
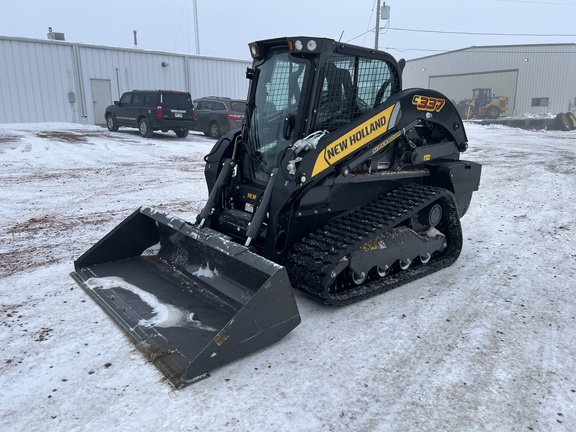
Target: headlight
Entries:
(311, 45)
(298, 45)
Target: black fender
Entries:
(433, 107)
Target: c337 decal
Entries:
(353, 140)
(428, 103)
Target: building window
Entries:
(540, 102)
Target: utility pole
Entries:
(382, 13)
(196, 32)
(377, 25)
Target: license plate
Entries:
(178, 115)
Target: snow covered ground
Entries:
(487, 344)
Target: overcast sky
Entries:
(416, 28)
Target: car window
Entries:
(238, 106)
(200, 105)
(137, 99)
(218, 106)
(125, 98)
(176, 100)
(150, 99)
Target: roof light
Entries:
(298, 45)
(311, 45)
(254, 50)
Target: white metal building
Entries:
(536, 79)
(56, 81)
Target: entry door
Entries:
(101, 98)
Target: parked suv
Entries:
(150, 110)
(216, 116)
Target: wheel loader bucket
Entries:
(191, 299)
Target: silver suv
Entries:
(216, 116)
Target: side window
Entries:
(542, 101)
(125, 99)
(150, 99)
(352, 86)
(238, 106)
(377, 81)
(137, 99)
(219, 106)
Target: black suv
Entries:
(150, 110)
(216, 116)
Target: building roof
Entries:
(500, 48)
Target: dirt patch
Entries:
(9, 139)
(67, 136)
(41, 240)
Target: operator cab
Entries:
(304, 85)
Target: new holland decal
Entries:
(353, 140)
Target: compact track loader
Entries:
(339, 184)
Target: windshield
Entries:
(272, 118)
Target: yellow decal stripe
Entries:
(353, 140)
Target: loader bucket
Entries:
(191, 299)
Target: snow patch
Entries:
(432, 233)
(206, 272)
(165, 315)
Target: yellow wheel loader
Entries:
(484, 104)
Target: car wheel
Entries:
(111, 123)
(181, 132)
(215, 130)
(144, 128)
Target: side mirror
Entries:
(116, 103)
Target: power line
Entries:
(483, 34)
(476, 50)
(360, 35)
(470, 33)
(537, 2)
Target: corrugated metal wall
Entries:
(50, 81)
(217, 77)
(542, 71)
(35, 79)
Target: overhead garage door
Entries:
(459, 87)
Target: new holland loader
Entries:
(339, 184)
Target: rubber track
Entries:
(312, 259)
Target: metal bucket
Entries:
(191, 298)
